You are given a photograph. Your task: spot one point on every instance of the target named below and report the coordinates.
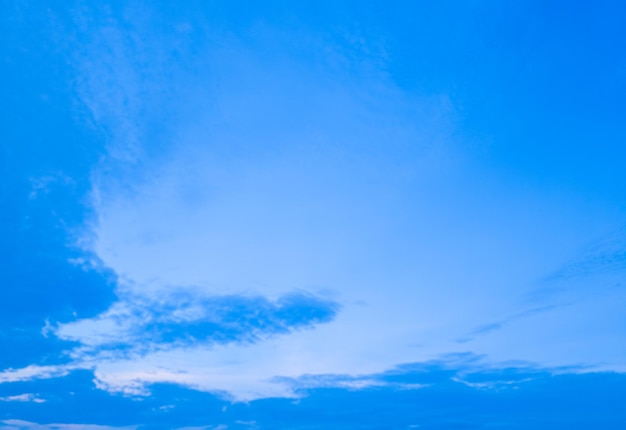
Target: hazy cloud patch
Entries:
(139, 325)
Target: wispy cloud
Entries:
(182, 324)
(137, 325)
(502, 323)
(606, 255)
(28, 425)
(278, 172)
(26, 397)
(455, 388)
(243, 108)
(309, 382)
(35, 372)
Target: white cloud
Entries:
(26, 397)
(216, 427)
(28, 425)
(275, 175)
(35, 372)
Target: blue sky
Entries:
(236, 215)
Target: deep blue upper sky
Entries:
(350, 215)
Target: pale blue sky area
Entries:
(351, 215)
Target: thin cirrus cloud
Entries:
(26, 397)
(275, 174)
(315, 217)
(455, 390)
(139, 326)
(28, 425)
